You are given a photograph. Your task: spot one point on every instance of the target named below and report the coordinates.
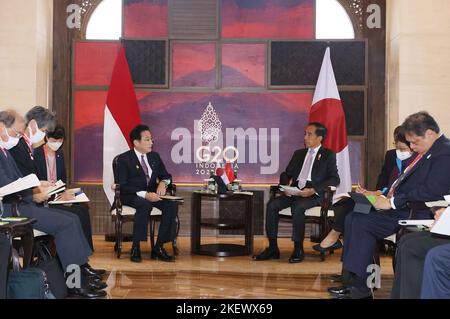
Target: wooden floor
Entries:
(230, 277)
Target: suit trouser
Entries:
(411, 252)
(143, 208)
(4, 261)
(341, 209)
(436, 274)
(298, 207)
(361, 235)
(71, 244)
(82, 212)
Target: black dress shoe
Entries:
(136, 255)
(159, 253)
(96, 285)
(86, 293)
(297, 257)
(341, 290)
(267, 254)
(86, 272)
(336, 278)
(99, 272)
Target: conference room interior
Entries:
(247, 70)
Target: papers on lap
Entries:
(290, 190)
(442, 225)
(19, 185)
(79, 198)
(59, 187)
(167, 197)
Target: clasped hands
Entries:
(160, 191)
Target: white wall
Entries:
(25, 53)
(418, 44)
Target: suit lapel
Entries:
(136, 164)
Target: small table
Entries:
(221, 250)
(24, 230)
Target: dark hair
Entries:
(43, 117)
(321, 130)
(399, 135)
(57, 133)
(7, 118)
(419, 123)
(135, 133)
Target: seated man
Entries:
(409, 266)
(138, 172)
(71, 245)
(436, 278)
(312, 170)
(427, 178)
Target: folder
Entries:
(19, 185)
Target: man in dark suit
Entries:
(5, 249)
(409, 267)
(312, 170)
(427, 178)
(436, 278)
(143, 178)
(71, 245)
(39, 121)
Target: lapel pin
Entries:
(137, 166)
(428, 157)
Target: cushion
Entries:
(130, 211)
(313, 212)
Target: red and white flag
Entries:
(121, 116)
(327, 109)
(229, 172)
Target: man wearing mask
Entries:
(38, 121)
(71, 245)
(426, 179)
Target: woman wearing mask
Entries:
(51, 167)
(395, 162)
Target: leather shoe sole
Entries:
(339, 290)
(86, 293)
(162, 258)
(295, 260)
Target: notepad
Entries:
(81, 198)
(59, 187)
(290, 190)
(20, 184)
(14, 219)
(168, 197)
(442, 225)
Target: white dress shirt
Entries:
(150, 171)
(314, 154)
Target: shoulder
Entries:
(39, 151)
(125, 156)
(441, 147)
(327, 152)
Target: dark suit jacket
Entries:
(429, 179)
(324, 171)
(128, 173)
(21, 155)
(41, 165)
(9, 172)
(389, 173)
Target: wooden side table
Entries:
(221, 249)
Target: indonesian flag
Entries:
(222, 174)
(121, 116)
(327, 110)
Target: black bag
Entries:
(52, 267)
(30, 283)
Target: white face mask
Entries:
(10, 143)
(36, 138)
(403, 155)
(54, 145)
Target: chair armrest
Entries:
(15, 203)
(327, 201)
(274, 190)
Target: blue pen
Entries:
(78, 193)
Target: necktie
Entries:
(303, 177)
(145, 168)
(4, 152)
